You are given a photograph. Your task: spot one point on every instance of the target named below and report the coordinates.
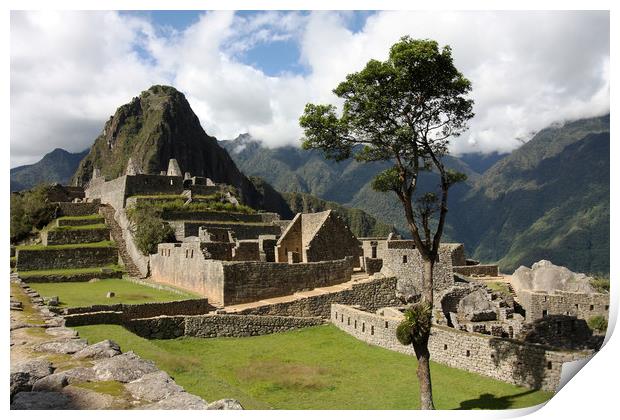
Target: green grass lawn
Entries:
(313, 368)
(95, 216)
(86, 294)
(498, 286)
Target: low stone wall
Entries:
(371, 295)
(528, 365)
(76, 209)
(78, 222)
(183, 229)
(44, 259)
(56, 278)
(215, 325)
(147, 310)
(217, 216)
(490, 270)
(74, 236)
(580, 305)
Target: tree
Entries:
(403, 110)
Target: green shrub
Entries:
(598, 323)
(149, 229)
(416, 325)
(601, 284)
(30, 210)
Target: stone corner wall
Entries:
(528, 365)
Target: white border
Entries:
(592, 394)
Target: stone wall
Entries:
(142, 184)
(68, 278)
(228, 282)
(251, 281)
(402, 260)
(528, 365)
(372, 265)
(140, 260)
(89, 315)
(109, 192)
(216, 325)
(580, 305)
(76, 209)
(78, 222)
(44, 259)
(246, 250)
(74, 236)
(290, 241)
(477, 270)
(218, 216)
(333, 241)
(371, 295)
(184, 229)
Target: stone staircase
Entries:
(107, 212)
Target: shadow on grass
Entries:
(491, 402)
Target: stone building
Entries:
(312, 237)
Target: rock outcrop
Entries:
(544, 276)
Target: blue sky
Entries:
(273, 58)
(254, 71)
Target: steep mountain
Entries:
(548, 199)
(291, 169)
(56, 166)
(153, 128)
(360, 223)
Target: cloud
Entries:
(71, 70)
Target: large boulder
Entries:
(62, 347)
(477, 306)
(547, 277)
(40, 401)
(53, 382)
(101, 350)
(125, 367)
(179, 401)
(153, 387)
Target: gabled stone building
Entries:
(312, 237)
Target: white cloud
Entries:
(69, 71)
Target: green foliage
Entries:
(598, 323)
(30, 211)
(149, 229)
(387, 180)
(416, 326)
(601, 284)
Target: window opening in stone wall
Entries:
(341, 318)
(576, 306)
(544, 312)
(348, 320)
(404, 259)
(363, 326)
(171, 182)
(374, 251)
(191, 255)
(372, 330)
(445, 347)
(467, 353)
(386, 324)
(591, 307)
(355, 324)
(606, 307)
(336, 315)
(549, 365)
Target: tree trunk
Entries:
(424, 375)
(421, 347)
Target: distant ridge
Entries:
(56, 166)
